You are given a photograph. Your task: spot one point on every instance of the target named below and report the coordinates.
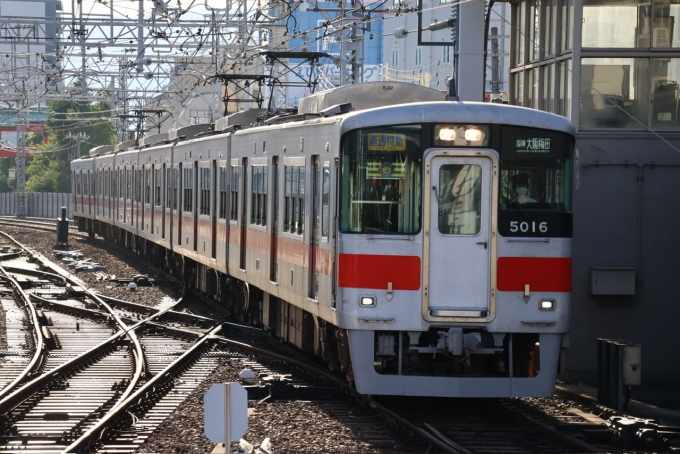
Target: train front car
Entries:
(454, 248)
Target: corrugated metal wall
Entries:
(38, 204)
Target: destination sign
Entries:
(386, 142)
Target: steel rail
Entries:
(98, 430)
(138, 353)
(365, 399)
(26, 391)
(58, 271)
(38, 337)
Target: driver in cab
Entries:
(520, 189)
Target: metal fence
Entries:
(38, 204)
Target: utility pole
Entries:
(21, 162)
(79, 138)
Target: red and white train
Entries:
(420, 246)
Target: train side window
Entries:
(258, 213)
(294, 201)
(188, 195)
(93, 181)
(85, 191)
(325, 201)
(205, 191)
(233, 214)
(223, 193)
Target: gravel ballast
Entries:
(292, 427)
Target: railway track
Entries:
(176, 352)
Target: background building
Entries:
(431, 63)
(613, 68)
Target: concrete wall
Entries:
(38, 204)
(626, 216)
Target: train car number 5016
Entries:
(525, 226)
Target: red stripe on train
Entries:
(376, 271)
(543, 274)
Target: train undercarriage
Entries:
(439, 352)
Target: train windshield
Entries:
(381, 180)
(536, 170)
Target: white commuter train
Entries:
(420, 246)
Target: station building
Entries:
(613, 68)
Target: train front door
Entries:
(458, 230)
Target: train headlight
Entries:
(367, 301)
(473, 135)
(447, 134)
(547, 305)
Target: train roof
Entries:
(457, 112)
(363, 105)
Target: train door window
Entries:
(78, 181)
(147, 187)
(138, 186)
(460, 199)
(122, 174)
(233, 214)
(114, 183)
(381, 180)
(163, 173)
(93, 181)
(273, 268)
(258, 212)
(175, 188)
(213, 209)
(205, 191)
(294, 199)
(128, 185)
(170, 183)
(315, 173)
(188, 196)
(159, 181)
(195, 203)
(223, 192)
(178, 203)
(85, 185)
(325, 200)
(244, 208)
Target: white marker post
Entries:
(225, 413)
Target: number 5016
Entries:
(525, 226)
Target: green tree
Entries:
(49, 170)
(6, 185)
